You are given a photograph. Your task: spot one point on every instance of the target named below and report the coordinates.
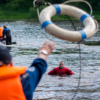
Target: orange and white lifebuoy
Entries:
(74, 36)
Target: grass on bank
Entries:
(31, 14)
(11, 15)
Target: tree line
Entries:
(26, 4)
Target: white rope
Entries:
(80, 1)
(38, 12)
(34, 3)
(77, 45)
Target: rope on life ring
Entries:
(74, 36)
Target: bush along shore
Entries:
(31, 14)
(24, 10)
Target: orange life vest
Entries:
(1, 31)
(10, 85)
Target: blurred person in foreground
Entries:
(61, 70)
(19, 83)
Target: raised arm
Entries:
(34, 73)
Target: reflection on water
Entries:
(30, 37)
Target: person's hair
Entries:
(61, 61)
(4, 26)
(5, 56)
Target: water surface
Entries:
(29, 37)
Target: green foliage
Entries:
(16, 4)
(7, 15)
(32, 13)
(26, 4)
(13, 5)
(24, 8)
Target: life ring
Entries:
(73, 36)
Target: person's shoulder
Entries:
(8, 29)
(66, 68)
(56, 67)
(5, 29)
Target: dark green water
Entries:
(30, 37)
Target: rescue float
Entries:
(74, 36)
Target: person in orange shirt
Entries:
(1, 32)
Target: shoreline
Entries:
(98, 19)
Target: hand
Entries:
(47, 46)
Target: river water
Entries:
(29, 37)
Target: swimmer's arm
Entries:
(69, 72)
(52, 72)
